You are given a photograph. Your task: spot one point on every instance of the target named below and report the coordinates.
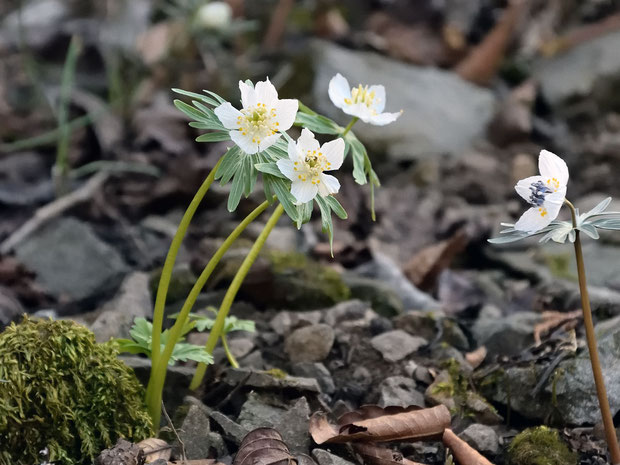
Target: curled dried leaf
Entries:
(155, 449)
(463, 452)
(476, 357)
(374, 455)
(371, 423)
(263, 446)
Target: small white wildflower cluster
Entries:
(546, 195)
(294, 171)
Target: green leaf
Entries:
(250, 176)
(304, 109)
(192, 112)
(304, 213)
(236, 188)
(214, 137)
(184, 352)
(326, 221)
(194, 95)
(358, 152)
(336, 207)
(231, 163)
(282, 189)
(270, 168)
(215, 96)
(317, 123)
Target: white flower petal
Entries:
(334, 153)
(286, 111)
(523, 186)
(378, 103)
(360, 110)
(339, 90)
(248, 95)
(268, 141)
(244, 142)
(293, 153)
(534, 219)
(303, 191)
(552, 166)
(287, 168)
(307, 141)
(384, 118)
(228, 115)
(328, 185)
(266, 93)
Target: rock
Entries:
(581, 70)
(194, 432)
(132, 301)
(266, 380)
(56, 253)
(317, 371)
(123, 453)
(325, 458)
(397, 344)
(349, 314)
(400, 391)
(40, 18)
(310, 343)
(435, 118)
(10, 308)
(482, 438)
(284, 322)
(383, 269)
(292, 423)
(232, 430)
(383, 299)
(506, 335)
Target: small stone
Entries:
(508, 335)
(397, 344)
(10, 308)
(317, 371)
(56, 254)
(253, 360)
(194, 432)
(325, 458)
(380, 325)
(123, 453)
(481, 437)
(285, 322)
(232, 430)
(309, 344)
(400, 391)
(240, 347)
(352, 313)
(265, 380)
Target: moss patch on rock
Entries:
(540, 446)
(62, 390)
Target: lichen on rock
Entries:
(540, 446)
(64, 391)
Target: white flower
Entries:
(545, 193)
(261, 120)
(307, 163)
(366, 103)
(214, 15)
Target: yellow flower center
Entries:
(258, 122)
(313, 164)
(553, 183)
(361, 94)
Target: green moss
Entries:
(306, 283)
(560, 265)
(277, 373)
(540, 446)
(63, 391)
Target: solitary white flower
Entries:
(307, 163)
(366, 103)
(262, 119)
(214, 15)
(546, 193)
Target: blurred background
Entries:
(97, 165)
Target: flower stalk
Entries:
(601, 392)
(159, 370)
(231, 293)
(354, 120)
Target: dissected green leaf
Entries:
(213, 137)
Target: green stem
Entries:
(158, 371)
(349, 126)
(229, 355)
(599, 382)
(166, 272)
(232, 292)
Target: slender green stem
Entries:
(61, 168)
(231, 293)
(349, 126)
(601, 392)
(158, 371)
(166, 272)
(231, 358)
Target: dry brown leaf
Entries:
(155, 449)
(476, 357)
(463, 452)
(263, 446)
(424, 267)
(372, 423)
(374, 455)
(551, 320)
(482, 63)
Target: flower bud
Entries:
(214, 15)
